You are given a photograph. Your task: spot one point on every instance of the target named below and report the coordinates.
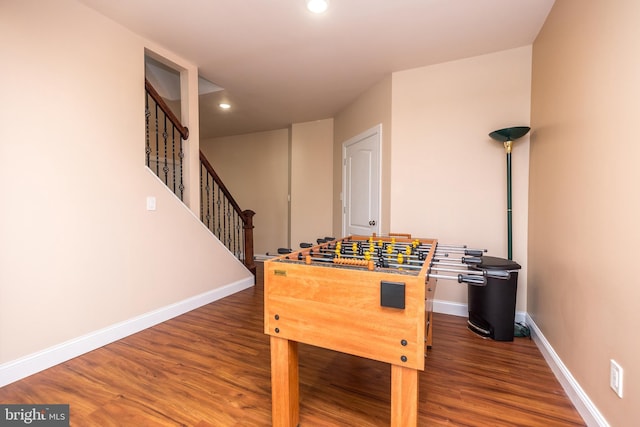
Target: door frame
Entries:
(374, 131)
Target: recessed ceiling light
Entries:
(224, 105)
(317, 6)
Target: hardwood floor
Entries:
(211, 367)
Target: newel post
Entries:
(248, 240)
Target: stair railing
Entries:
(218, 209)
(223, 216)
(164, 136)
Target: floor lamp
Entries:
(507, 136)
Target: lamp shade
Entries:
(509, 134)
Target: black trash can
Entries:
(492, 308)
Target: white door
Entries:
(361, 183)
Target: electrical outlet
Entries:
(615, 378)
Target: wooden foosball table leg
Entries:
(285, 394)
(404, 397)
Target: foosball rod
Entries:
(353, 262)
(410, 259)
(461, 278)
(366, 245)
(401, 266)
(494, 274)
(379, 244)
(439, 246)
(370, 264)
(329, 256)
(447, 247)
(465, 276)
(442, 250)
(360, 251)
(349, 248)
(463, 260)
(426, 248)
(469, 252)
(376, 260)
(393, 260)
(350, 252)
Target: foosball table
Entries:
(369, 296)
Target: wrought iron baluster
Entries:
(232, 236)
(235, 233)
(211, 213)
(226, 221)
(165, 135)
(218, 200)
(238, 241)
(212, 190)
(244, 249)
(239, 233)
(201, 195)
(173, 158)
(147, 143)
(241, 238)
(204, 198)
(157, 144)
(181, 156)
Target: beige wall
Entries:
(584, 198)
(311, 181)
(370, 109)
(448, 177)
(261, 187)
(79, 250)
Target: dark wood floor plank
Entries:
(210, 367)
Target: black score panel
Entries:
(392, 294)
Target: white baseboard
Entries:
(459, 309)
(20, 368)
(585, 407)
(452, 308)
(31, 364)
(587, 410)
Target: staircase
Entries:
(219, 212)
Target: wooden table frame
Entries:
(339, 308)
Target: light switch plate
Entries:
(151, 203)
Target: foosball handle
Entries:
(498, 274)
(474, 252)
(472, 260)
(472, 280)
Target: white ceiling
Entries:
(280, 64)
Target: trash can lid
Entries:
(494, 263)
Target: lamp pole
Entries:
(507, 148)
(507, 136)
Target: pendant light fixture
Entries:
(317, 6)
